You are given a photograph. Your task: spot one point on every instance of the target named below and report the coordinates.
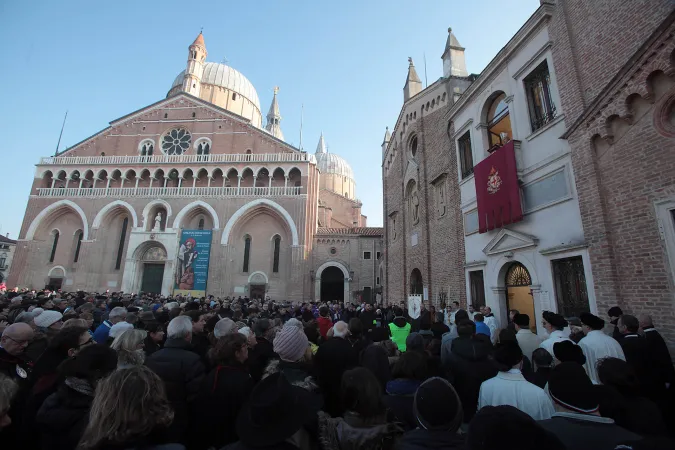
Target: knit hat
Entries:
(570, 387)
(568, 351)
(293, 322)
(119, 328)
(614, 311)
(437, 405)
(290, 343)
(554, 319)
(47, 318)
(592, 321)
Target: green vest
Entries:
(399, 335)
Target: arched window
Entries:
(277, 247)
(203, 150)
(120, 247)
(201, 224)
(413, 146)
(147, 148)
(78, 245)
(54, 245)
(247, 252)
(498, 121)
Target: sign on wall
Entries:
(192, 264)
(414, 305)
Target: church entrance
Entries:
(152, 278)
(518, 292)
(332, 284)
(256, 291)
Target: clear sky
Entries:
(346, 61)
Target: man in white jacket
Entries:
(527, 340)
(554, 325)
(597, 345)
(492, 323)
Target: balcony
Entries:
(170, 192)
(173, 159)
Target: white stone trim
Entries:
(63, 269)
(177, 222)
(254, 204)
(102, 213)
(250, 277)
(30, 234)
(317, 279)
(149, 206)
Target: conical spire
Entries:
(387, 137)
(454, 63)
(274, 118)
(200, 41)
(413, 84)
(321, 147)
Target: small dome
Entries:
(332, 163)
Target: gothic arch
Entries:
(255, 204)
(149, 206)
(112, 205)
(30, 234)
(177, 222)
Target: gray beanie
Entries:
(290, 344)
(47, 318)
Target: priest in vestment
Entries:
(597, 345)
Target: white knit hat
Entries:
(119, 328)
(47, 318)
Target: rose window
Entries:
(176, 141)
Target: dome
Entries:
(332, 163)
(226, 77)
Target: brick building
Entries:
(193, 186)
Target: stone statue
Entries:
(415, 206)
(158, 222)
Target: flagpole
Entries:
(61, 134)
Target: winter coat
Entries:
(333, 358)
(540, 377)
(221, 396)
(150, 346)
(325, 324)
(467, 366)
(632, 412)
(586, 432)
(374, 358)
(399, 400)
(182, 371)
(297, 373)
(63, 418)
(640, 356)
(421, 439)
(353, 432)
(259, 357)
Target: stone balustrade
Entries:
(173, 159)
(175, 192)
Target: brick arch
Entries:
(264, 203)
(53, 208)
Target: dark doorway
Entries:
(256, 291)
(477, 288)
(416, 283)
(152, 278)
(54, 284)
(332, 284)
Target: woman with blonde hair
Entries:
(130, 411)
(130, 348)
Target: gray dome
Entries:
(332, 163)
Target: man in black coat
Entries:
(659, 349)
(182, 371)
(468, 365)
(262, 353)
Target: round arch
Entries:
(317, 279)
(255, 204)
(60, 275)
(258, 272)
(150, 205)
(110, 206)
(30, 234)
(177, 222)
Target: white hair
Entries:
(246, 331)
(117, 311)
(119, 328)
(171, 305)
(179, 328)
(340, 329)
(224, 327)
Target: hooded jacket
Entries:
(63, 418)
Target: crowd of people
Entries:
(119, 371)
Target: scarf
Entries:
(80, 385)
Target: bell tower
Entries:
(195, 66)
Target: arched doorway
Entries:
(332, 284)
(518, 292)
(153, 261)
(416, 283)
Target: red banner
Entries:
(497, 190)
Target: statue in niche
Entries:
(415, 207)
(158, 222)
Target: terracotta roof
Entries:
(361, 231)
(200, 40)
(7, 240)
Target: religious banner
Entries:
(414, 305)
(497, 189)
(192, 264)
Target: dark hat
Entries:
(522, 320)
(554, 319)
(437, 405)
(379, 334)
(508, 354)
(592, 321)
(568, 351)
(275, 411)
(570, 387)
(414, 342)
(496, 426)
(614, 311)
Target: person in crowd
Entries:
(224, 327)
(333, 358)
(324, 321)
(181, 370)
(222, 394)
(659, 349)
(596, 344)
(292, 346)
(527, 340)
(200, 341)
(364, 423)
(130, 348)
(415, 343)
(260, 355)
(357, 338)
(542, 362)
(554, 324)
(117, 315)
(399, 329)
(155, 338)
(614, 314)
(438, 413)
(511, 325)
(14, 363)
(367, 316)
(64, 415)
(8, 389)
(468, 365)
(408, 374)
(276, 416)
(577, 421)
(576, 329)
(492, 323)
(425, 329)
(508, 335)
(130, 411)
(447, 338)
(375, 357)
(47, 324)
(117, 330)
(568, 351)
(620, 399)
(482, 329)
(505, 427)
(509, 386)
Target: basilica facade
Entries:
(193, 194)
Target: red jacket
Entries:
(325, 324)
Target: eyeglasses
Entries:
(20, 342)
(87, 342)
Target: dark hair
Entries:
(261, 326)
(542, 358)
(461, 315)
(356, 327)
(515, 311)
(194, 314)
(411, 366)
(398, 311)
(630, 322)
(466, 328)
(506, 335)
(425, 322)
(478, 317)
(456, 302)
(361, 393)
(226, 348)
(92, 363)
(323, 311)
(618, 374)
(66, 339)
(522, 320)
(153, 327)
(175, 312)
(312, 334)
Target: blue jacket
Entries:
(102, 332)
(481, 328)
